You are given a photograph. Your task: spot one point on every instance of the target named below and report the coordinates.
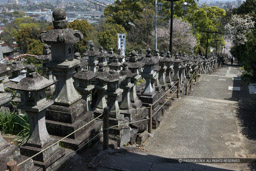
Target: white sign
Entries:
(121, 43)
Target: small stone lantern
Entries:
(126, 85)
(135, 66)
(35, 104)
(148, 73)
(169, 69)
(115, 64)
(162, 71)
(93, 55)
(177, 66)
(102, 58)
(85, 87)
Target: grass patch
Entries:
(12, 123)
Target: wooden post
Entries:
(190, 84)
(105, 128)
(12, 165)
(150, 118)
(178, 88)
(186, 90)
(196, 76)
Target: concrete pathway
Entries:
(207, 124)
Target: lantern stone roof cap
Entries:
(126, 72)
(135, 65)
(102, 54)
(84, 75)
(115, 64)
(151, 60)
(67, 36)
(177, 61)
(33, 82)
(110, 76)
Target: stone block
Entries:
(142, 137)
(66, 114)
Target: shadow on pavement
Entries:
(246, 112)
(130, 161)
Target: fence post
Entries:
(190, 84)
(150, 118)
(105, 128)
(196, 76)
(178, 88)
(186, 91)
(12, 165)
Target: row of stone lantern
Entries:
(104, 80)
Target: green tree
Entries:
(125, 12)
(141, 34)
(207, 19)
(248, 7)
(23, 30)
(108, 37)
(28, 41)
(86, 29)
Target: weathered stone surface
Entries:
(34, 102)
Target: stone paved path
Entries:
(208, 124)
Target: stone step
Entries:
(85, 136)
(62, 129)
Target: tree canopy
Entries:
(108, 37)
(86, 29)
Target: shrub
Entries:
(12, 123)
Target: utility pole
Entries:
(156, 10)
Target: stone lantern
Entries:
(169, 69)
(110, 55)
(93, 55)
(101, 88)
(115, 64)
(85, 86)
(113, 91)
(68, 112)
(63, 64)
(189, 69)
(102, 58)
(121, 58)
(176, 67)
(35, 104)
(126, 85)
(149, 74)
(163, 67)
(122, 131)
(134, 66)
(183, 70)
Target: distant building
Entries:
(60, 4)
(42, 15)
(1, 53)
(13, 2)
